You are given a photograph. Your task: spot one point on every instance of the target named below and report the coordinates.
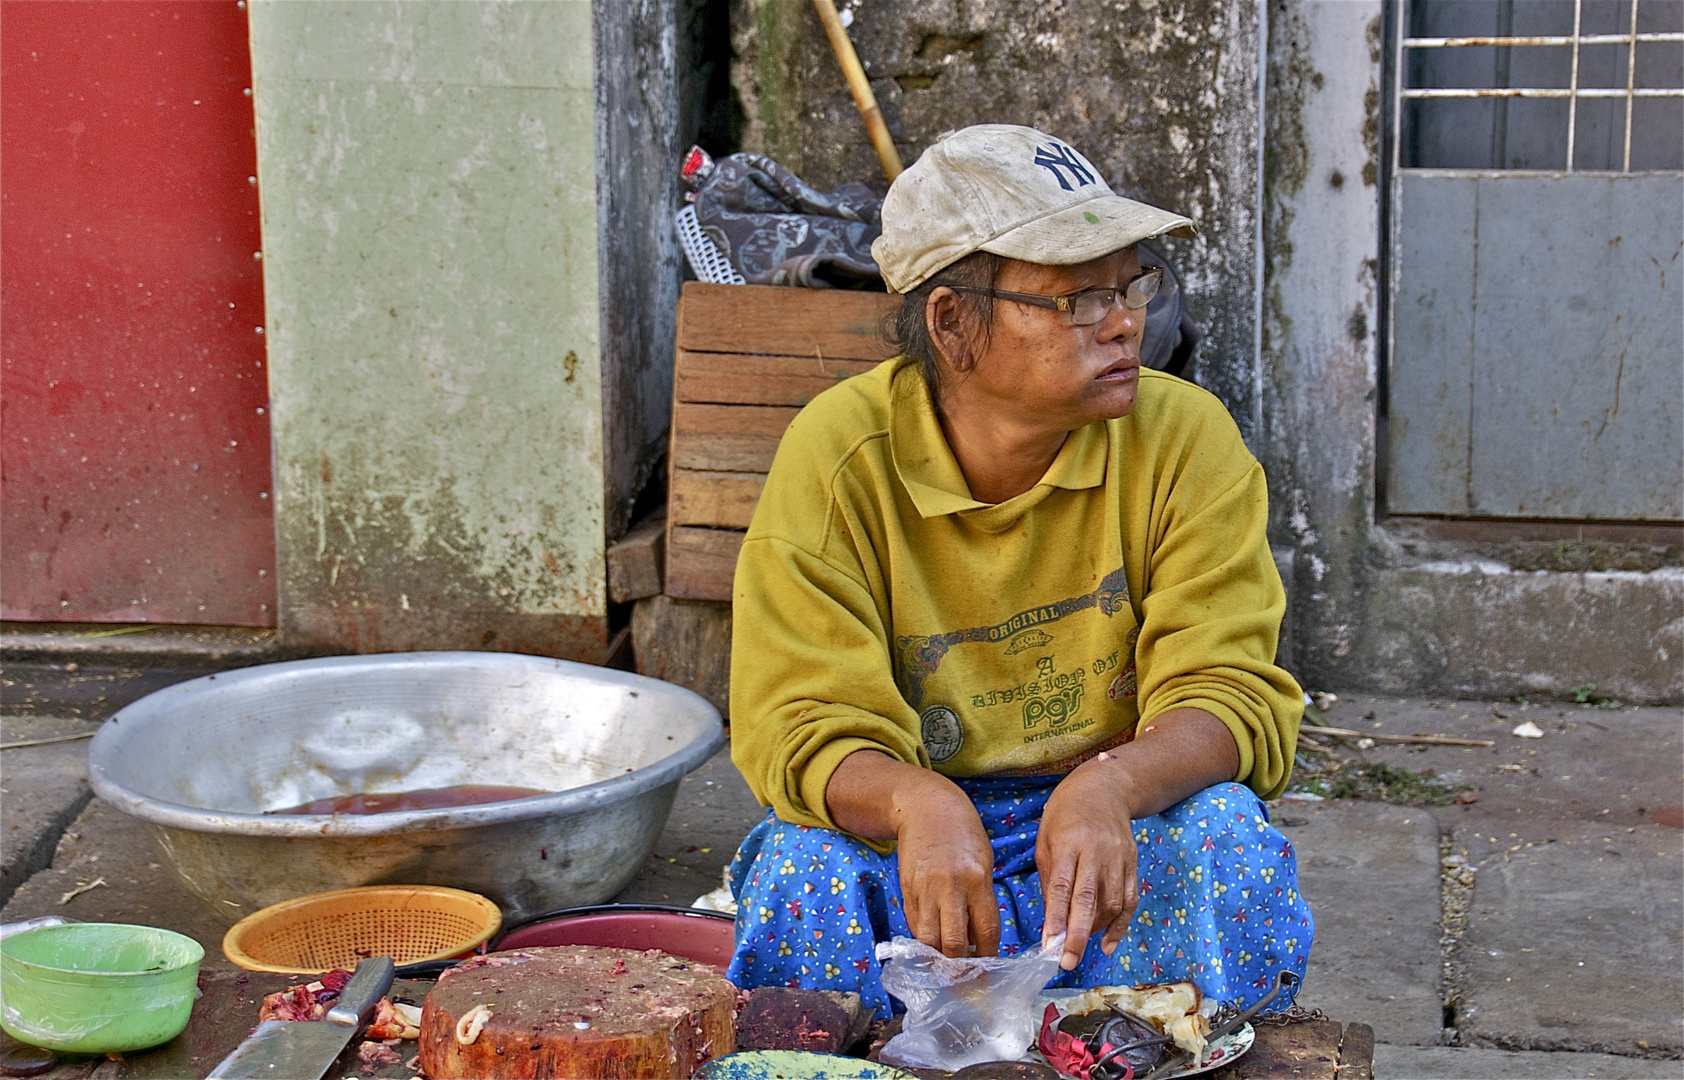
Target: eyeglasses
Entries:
(1090, 305)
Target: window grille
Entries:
(1576, 42)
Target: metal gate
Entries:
(1536, 353)
(134, 440)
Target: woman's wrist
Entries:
(874, 795)
(1115, 770)
(1172, 756)
(918, 792)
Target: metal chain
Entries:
(1292, 1014)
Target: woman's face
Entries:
(1046, 370)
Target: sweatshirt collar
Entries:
(931, 474)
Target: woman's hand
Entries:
(946, 864)
(947, 871)
(1085, 852)
(1086, 857)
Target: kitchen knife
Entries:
(305, 1049)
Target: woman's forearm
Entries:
(1171, 757)
(1174, 755)
(872, 794)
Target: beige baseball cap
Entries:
(1010, 190)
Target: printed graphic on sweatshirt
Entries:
(919, 656)
(1049, 702)
(1029, 639)
(942, 732)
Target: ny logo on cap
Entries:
(1059, 157)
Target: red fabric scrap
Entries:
(1064, 1052)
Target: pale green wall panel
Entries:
(430, 233)
(531, 43)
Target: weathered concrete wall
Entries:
(1371, 607)
(1321, 245)
(1161, 94)
(429, 190)
(649, 106)
(1479, 628)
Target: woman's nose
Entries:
(1121, 321)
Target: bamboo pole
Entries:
(864, 99)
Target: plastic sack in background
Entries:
(960, 1012)
(777, 230)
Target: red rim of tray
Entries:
(707, 937)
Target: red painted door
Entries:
(134, 435)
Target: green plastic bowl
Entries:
(96, 988)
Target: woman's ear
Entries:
(945, 318)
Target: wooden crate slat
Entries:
(727, 438)
(693, 419)
(743, 379)
(720, 500)
(701, 562)
(834, 324)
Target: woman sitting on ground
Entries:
(1006, 617)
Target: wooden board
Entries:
(228, 1010)
(746, 379)
(747, 358)
(701, 562)
(635, 561)
(687, 642)
(717, 500)
(828, 323)
(1311, 1050)
(727, 438)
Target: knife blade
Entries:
(305, 1049)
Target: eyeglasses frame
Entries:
(1067, 302)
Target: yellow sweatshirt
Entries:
(878, 606)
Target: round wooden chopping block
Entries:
(576, 1011)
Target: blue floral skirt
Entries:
(1219, 900)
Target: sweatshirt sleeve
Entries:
(811, 674)
(1212, 611)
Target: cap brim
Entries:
(1087, 231)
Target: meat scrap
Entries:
(375, 1054)
(394, 1020)
(781, 1018)
(1176, 1009)
(309, 1001)
(378, 1053)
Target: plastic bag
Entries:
(960, 1012)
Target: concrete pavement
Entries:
(1370, 873)
(42, 789)
(1574, 933)
(1602, 889)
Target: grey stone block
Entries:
(711, 814)
(1577, 944)
(1467, 1063)
(42, 789)
(105, 843)
(1370, 874)
(1477, 627)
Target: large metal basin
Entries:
(201, 761)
